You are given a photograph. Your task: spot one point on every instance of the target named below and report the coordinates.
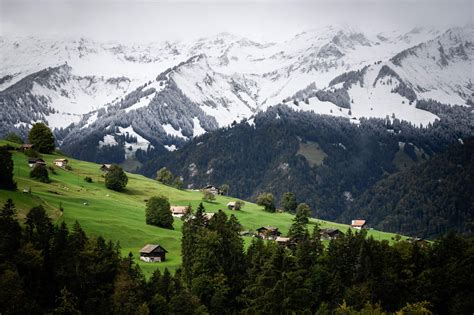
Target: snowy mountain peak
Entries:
(172, 91)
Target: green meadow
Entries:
(120, 216)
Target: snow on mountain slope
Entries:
(371, 99)
(219, 95)
(169, 92)
(441, 69)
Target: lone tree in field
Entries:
(208, 196)
(303, 212)
(288, 202)
(39, 172)
(6, 170)
(224, 189)
(41, 138)
(158, 212)
(116, 179)
(164, 176)
(267, 200)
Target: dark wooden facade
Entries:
(153, 253)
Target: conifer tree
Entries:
(10, 230)
(6, 170)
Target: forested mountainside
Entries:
(328, 162)
(427, 199)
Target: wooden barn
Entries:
(61, 162)
(330, 234)
(153, 253)
(25, 147)
(212, 189)
(358, 224)
(268, 232)
(35, 161)
(178, 211)
(105, 167)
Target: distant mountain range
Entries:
(111, 101)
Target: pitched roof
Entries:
(148, 248)
(208, 215)
(60, 160)
(211, 187)
(282, 239)
(330, 231)
(269, 228)
(179, 209)
(231, 204)
(35, 160)
(358, 222)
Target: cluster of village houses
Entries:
(156, 253)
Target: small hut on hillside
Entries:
(153, 253)
(36, 161)
(25, 147)
(212, 189)
(61, 162)
(330, 234)
(178, 211)
(358, 224)
(105, 167)
(268, 232)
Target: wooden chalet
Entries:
(231, 205)
(105, 167)
(358, 224)
(282, 240)
(178, 211)
(153, 253)
(25, 147)
(268, 232)
(212, 189)
(330, 234)
(35, 161)
(61, 162)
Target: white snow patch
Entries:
(22, 124)
(144, 101)
(108, 140)
(169, 129)
(90, 120)
(141, 142)
(197, 130)
(58, 120)
(170, 147)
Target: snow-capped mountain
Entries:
(162, 94)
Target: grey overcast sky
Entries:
(140, 21)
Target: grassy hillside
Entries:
(121, 216)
